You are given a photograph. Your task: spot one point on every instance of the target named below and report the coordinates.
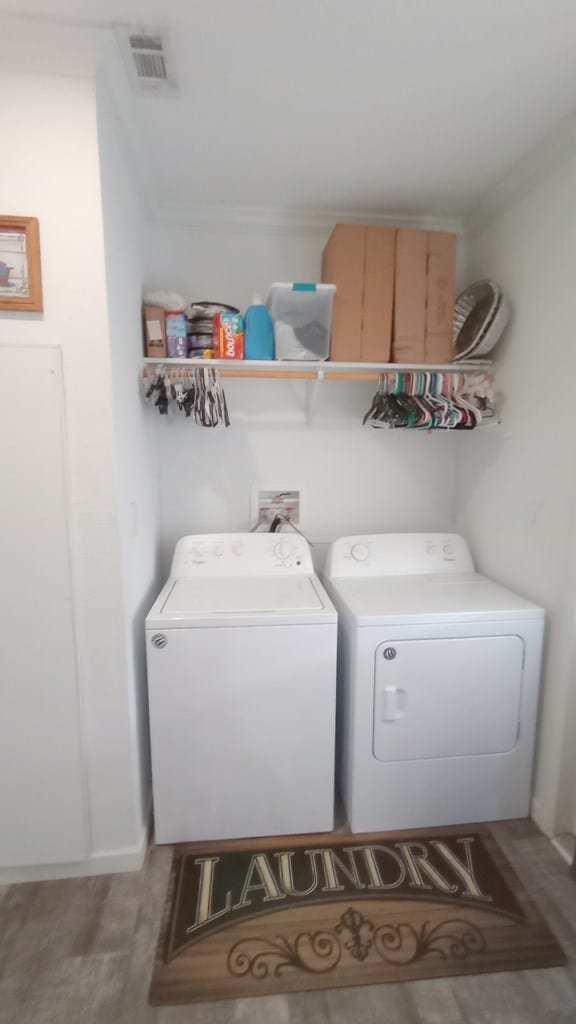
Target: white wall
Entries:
(516, 487)
(50, 169)
(352, 479)
(134, 433)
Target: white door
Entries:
(447, 697)
(41, 788)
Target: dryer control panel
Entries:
(398, 554)
(242, 554)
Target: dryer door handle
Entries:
(392, 703)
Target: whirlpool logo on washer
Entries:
(389, 653)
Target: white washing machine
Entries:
(241, 654)
(438, 677)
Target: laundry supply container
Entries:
(302, 317)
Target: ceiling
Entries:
(402, 107)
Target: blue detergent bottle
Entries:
(258, 332)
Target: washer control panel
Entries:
(399, 554)
(241, 554)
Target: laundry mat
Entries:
(259, 917)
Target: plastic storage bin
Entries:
(302, 317)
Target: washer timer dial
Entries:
(282, 549)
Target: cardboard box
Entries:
(424, 296)
(410, 296)
(359, 260)
(155, 332)
(395, 292)
(343, 265)
(378, 304)
(229, 336)
(440, 297)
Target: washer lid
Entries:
(235, 600)
(393, 600)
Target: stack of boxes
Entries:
(395, 292)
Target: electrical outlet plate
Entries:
(266, 503)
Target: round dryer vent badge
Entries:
(159, 640)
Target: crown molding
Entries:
(46, 46)
(525, 174)
(290, 219)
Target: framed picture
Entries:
(20, 277)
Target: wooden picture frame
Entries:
(20, 273)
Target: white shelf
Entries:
(311, 370)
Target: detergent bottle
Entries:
(258, 331)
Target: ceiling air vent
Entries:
(148, 57)
(146, 60)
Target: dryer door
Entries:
(447, 697)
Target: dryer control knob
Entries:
(282, 549)
(360, 552)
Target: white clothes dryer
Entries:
(438, 679)
(241, 654)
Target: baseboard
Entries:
(541, 819)
(128, 858)
(565, 846)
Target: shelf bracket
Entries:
(312, 393)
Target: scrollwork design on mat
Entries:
(360, 930)
(320, 952)
(406, 943)
(313, 952)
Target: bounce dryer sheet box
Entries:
(155, 332)
(229, 336)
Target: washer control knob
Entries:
(218, 550)
(282, 549)
(237, 548)
(360, 552)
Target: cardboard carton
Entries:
(155, 332)
(343, 265)
(378, 303)
(424, 296)
(395, 292)
(359, 260)
(410, 296)
(440, 297)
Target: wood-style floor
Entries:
(80, 951)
